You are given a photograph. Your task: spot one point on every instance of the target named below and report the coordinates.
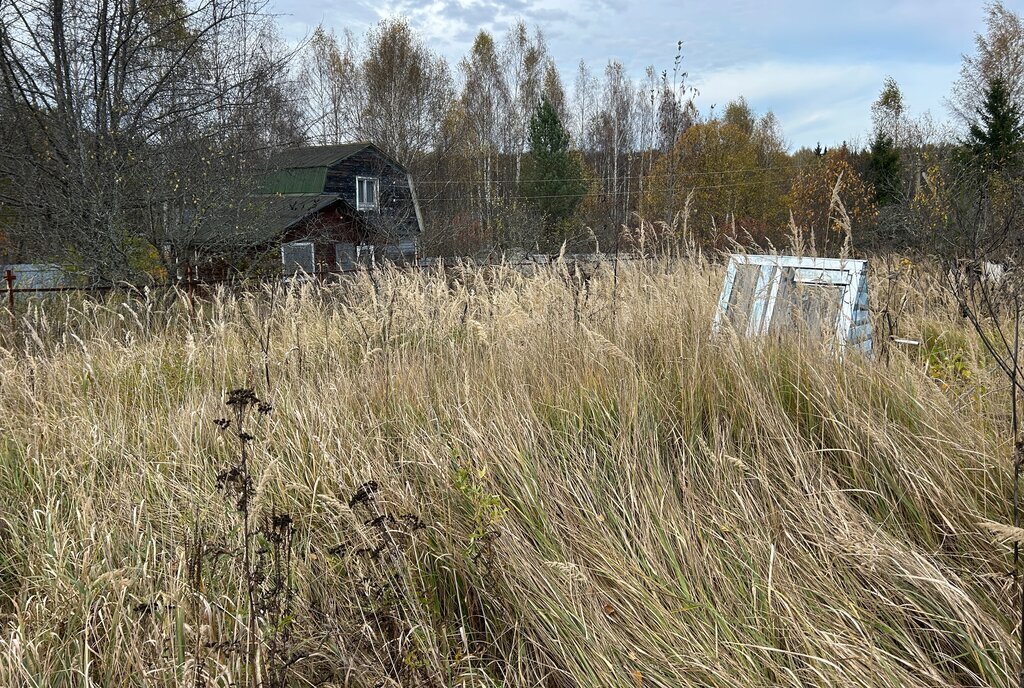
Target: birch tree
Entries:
(138, 122)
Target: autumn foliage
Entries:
(829, 196)
(724, 175)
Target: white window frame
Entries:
(848, 273)
(312, 255)
(360, 203)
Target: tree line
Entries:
(136, 131)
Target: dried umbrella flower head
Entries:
(364, 493)
(241, 398)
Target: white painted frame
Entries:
(849, 273)
(362, 204)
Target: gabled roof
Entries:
(295, 180)
(281, 212)
(315, 156)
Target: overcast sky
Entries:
(818, 64)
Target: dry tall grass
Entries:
(609, 496)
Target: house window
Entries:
(297, 257)
(821, 297)
(366, 254)
(345, 255)
(366, 193)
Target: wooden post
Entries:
(188, 287)
(9, 278)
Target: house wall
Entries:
(336, 234)
(331, 224)
(395, 215)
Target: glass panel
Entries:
(366, 192)
(297, 256)
(345, 255)
(807, 307)
(741, 299)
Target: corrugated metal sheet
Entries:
(36, 275)
(301, 180)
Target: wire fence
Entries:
(191, 284)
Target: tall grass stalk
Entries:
(565, 491)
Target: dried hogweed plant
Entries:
(265, 557)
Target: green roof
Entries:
(315, 156)
(297, 180)
(304, 170)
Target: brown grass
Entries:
(609, 496)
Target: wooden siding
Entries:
(330, 225)
(395, 214)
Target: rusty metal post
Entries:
(9, 278)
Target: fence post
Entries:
(9, 278)
(188, 287)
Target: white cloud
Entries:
(817, 65)
(780, 80)
(826, 102)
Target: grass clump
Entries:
(494, 480)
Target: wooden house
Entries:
(335, 207)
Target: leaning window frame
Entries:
(360, 203)
(852, 275)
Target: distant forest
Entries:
(135, 131)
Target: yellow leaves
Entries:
(811, 196)
(931, 201)
(950, 369)
(716, 173)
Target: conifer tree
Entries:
(553, 180)
(998, 134)
(884, 166)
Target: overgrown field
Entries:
(490, 479)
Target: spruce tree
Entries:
(884, 166)
(553, 178)
(998, 134)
